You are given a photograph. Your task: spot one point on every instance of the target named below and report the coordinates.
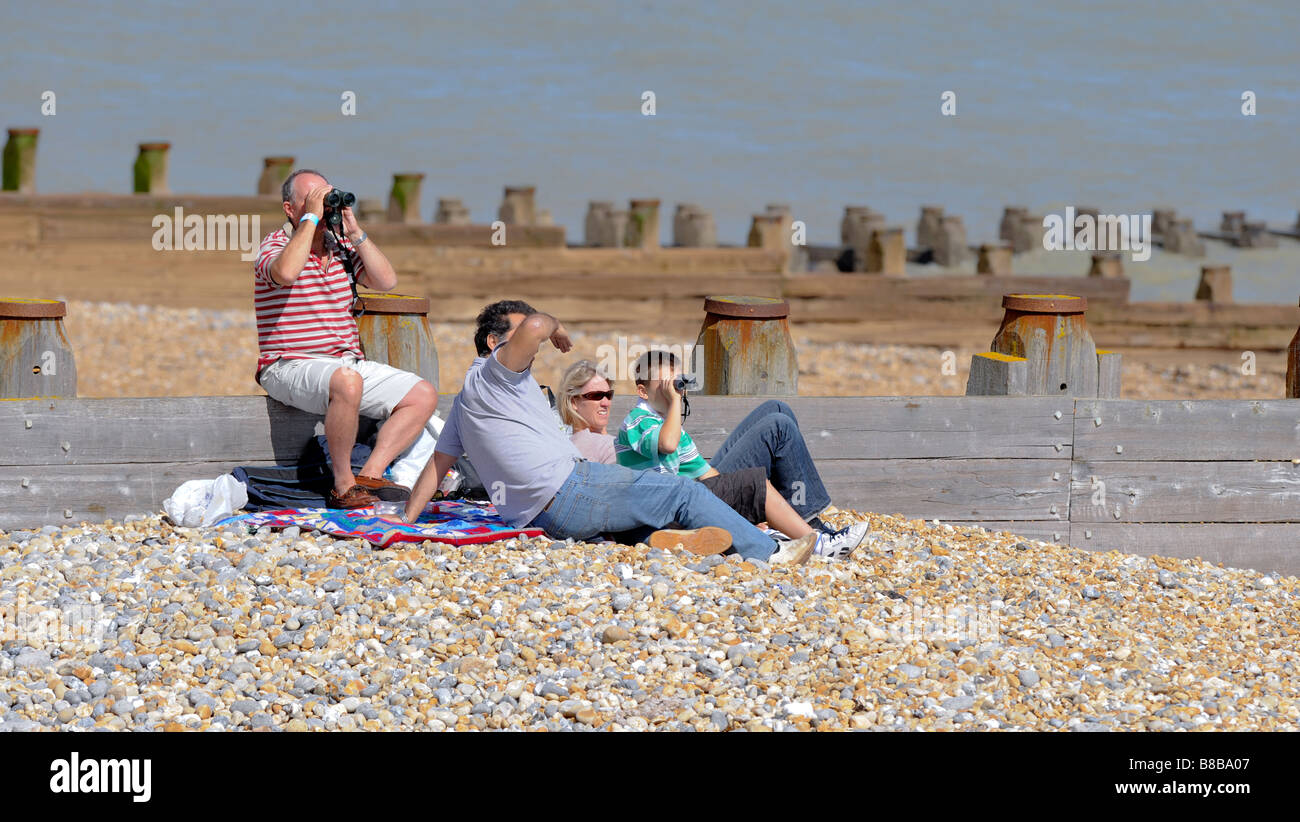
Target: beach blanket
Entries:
(455, 522)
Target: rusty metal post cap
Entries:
(393, 304)
(1045, 303)
(31, 308)
(747, 308)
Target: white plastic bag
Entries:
(199, 503)
(408, 465)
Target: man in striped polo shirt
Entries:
(310, 352)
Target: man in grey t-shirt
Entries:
(535, 476)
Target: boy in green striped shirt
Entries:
(652, 438)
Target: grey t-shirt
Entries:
(502, 422)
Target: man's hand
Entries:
(351, 227)
(314, 203)
(560, 339)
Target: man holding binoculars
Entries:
(309, 351)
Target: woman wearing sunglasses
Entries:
(585, 397)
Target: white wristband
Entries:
(309, 216)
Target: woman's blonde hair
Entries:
(576, 376)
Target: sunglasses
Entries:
(598, 395)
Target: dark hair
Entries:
(495, 319)
(649, 364)
(286, 190)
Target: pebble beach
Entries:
(926, 627)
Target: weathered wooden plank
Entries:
(955, 287)
(1274, 548)
(176, 429)
(597, 285)
(1187, 430)
(164, 429)
(480, 236)
(896, 427)
(113, 205)
(67, 494)
(969, 489)
(1184, 492)
(1198, 314)
(1047, 530)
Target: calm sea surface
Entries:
(1119, 105)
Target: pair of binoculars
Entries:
(335, 202)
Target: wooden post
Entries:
(1256, 235)
(887, 253)
(1216, 284)
(850, 225)
(747, 347)
(643, 224)
(997, 375)
(765, 232)
(994, 259)
(596, 227)
(275, 170)
(1233, 222)
(451, 211)
(1029, 234)
(20, 160)
(35, 355)
(518, 206)
(950, 247)
(1010, 225)
(1106, 264)
(371, 210)
(404, 198)
(928, 228)
(693, 227)
(1109, 374)
(150, 170)
(394, 330)
(1293, 367)
(1162, 219)
(1078, 212)
(1180, 238)
(1051, 332)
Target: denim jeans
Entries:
(598, 499)
(769, 438)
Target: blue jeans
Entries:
(599, 499)
(769, 438)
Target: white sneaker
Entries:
(839, 544)
(796, 551)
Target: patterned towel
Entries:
(454, 522)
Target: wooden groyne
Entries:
(1215, 479)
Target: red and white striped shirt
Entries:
(312, 317)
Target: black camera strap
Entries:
(345, 257)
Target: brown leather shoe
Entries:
(384, 489)
(354, 497)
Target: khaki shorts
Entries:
(305, 384)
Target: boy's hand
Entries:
(669, 391)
